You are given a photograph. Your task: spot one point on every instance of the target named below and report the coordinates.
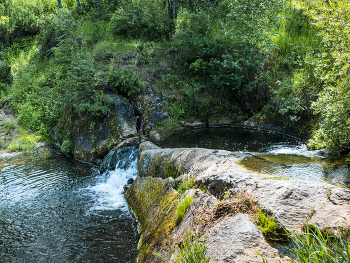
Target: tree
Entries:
(172, 9)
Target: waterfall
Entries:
(117, 167)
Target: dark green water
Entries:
(54, 209)
(274, 154)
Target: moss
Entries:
(151, 201)
(275, 178)
(170, 170)
(269, 227)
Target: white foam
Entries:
(108, 192)
(300, 150)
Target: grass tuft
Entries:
(181, 209)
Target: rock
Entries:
(122, 156)
(291, 202)
(151, 201)
(92, 138)
(238, 239)
(130, 181)
(149, 106)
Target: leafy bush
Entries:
(125, 81)
(5, 72)
(142, 19)
(25, 17)
(224, 71)
(82, 94)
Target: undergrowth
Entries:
(316, 246)
(192, 251)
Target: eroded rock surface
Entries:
(236, 240)
(291, 202)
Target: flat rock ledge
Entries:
(293, 203)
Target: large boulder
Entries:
(154, 202)
(91, 138)
(292, 203)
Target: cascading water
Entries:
(54, 209)
(117, 167)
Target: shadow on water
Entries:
(49, 212)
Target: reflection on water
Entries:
(274, 154)
(45, 213)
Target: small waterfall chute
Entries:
(116, 169)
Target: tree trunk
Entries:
(97, 5)
(78, 3)
(172, 9)
(59, 4)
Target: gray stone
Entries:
(93, 142)
(291, 202)
(149, 106)
(237, 240)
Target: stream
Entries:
(55, 209)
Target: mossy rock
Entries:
(153, 202)
(91, 138)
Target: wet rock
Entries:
(149, 106)
(152, 201)
(130, 181)
(122, 156)
(91, 138)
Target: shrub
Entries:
(5, 72)
(125, 81)
(66, 146)
(83, 94)
(142, 19)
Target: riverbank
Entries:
(154, 198)
(13, 138)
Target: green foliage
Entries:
(223, 70)
(82, 95)
(24, 17)
(125, 81)
(268, 227)
(313, 245)
(24, 142)
(181, 208)
(332, 68)
(192, 251)
(186, 185)
(252, 22)
(66, 146)
(5, 72)
(142, 19)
